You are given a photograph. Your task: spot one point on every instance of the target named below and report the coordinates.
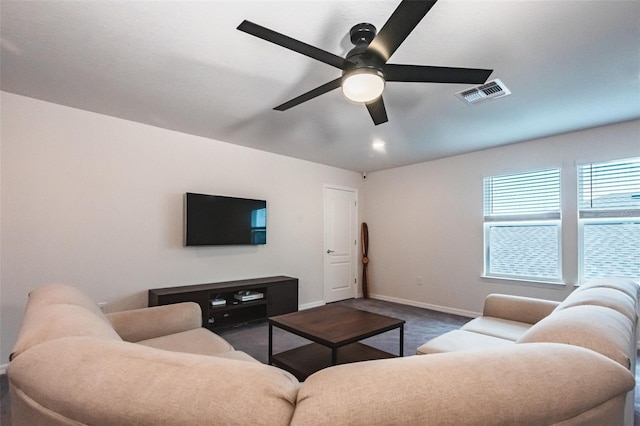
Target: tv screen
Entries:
(213, 220)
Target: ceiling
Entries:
(183, 66)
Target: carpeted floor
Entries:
(5, 415)
(421, 325)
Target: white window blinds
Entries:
(610, 189)
(523, 196)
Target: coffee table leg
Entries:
(401, 340)
(334, 356)
(270, 344)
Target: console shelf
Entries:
(280, 297)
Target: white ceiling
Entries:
(183, 66)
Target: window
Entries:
(609, 219)
(522, 225)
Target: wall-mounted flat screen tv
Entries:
(215, 220)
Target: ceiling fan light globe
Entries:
(363, 85)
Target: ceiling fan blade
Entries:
(327, 87)
(399, 25)
(292, 44)
(377, 111)
(429, 74)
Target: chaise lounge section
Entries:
(600, 315)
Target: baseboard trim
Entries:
(3, 368)
(310, 305)
(438, 308)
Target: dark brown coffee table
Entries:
(335, 331)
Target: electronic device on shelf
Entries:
(246, 296)
(218, 302)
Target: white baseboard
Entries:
(438, 308)
(3, 368)
(311, 305)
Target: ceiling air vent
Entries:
(491, 90)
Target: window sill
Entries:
(526, 281)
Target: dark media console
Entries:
(220, 302)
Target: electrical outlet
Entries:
(103, 306)
(419, 281)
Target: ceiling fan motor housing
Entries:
(361, 35)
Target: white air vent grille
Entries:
(491, 90)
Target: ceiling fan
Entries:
(365, 69)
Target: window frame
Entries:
(552, 218)
(617, 215)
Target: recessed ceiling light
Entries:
(378, 145)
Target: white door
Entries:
(340, 243)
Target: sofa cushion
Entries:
(534, 384)
(107, 382)
(625, 285)
(53, 294)
(147, 323)
(197, 341)
(238, 356)
(600, 329)
(497, 327)
(49, 322)
(602, 296)
(517, 308)
(461, 340)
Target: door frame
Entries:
(354, 228)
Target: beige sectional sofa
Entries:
(71, 364)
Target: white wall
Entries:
(97, 202)
(426, 220)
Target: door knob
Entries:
(329, 251)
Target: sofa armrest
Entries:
(516, 308)
(147, 323)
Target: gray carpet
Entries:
(5, 414)
(421, 325)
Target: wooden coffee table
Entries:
(335, 331)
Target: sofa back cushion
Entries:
(57, 311)
(624, 285)
(602, 296)
(535, 384)
(600, 329)
(80, 380)
(55, 294)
